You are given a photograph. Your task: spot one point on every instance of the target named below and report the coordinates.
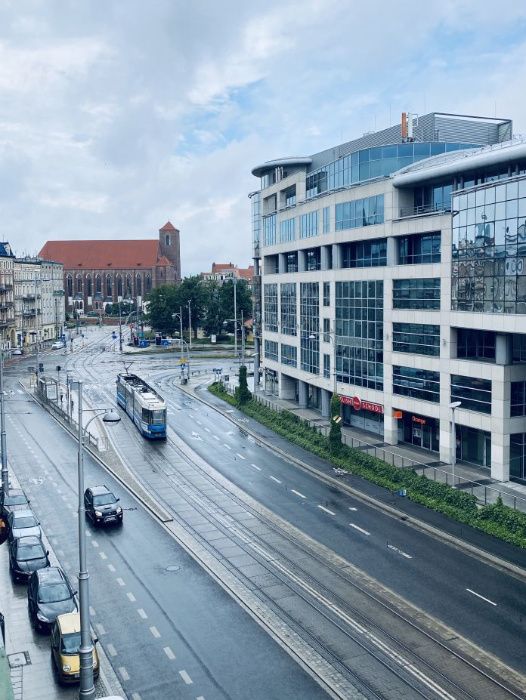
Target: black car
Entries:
(14, 500)
(26, 554)
(102, 507)
(49, 594)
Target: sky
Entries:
(119, 115)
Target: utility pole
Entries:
(5, 475)
(242, 339)
(181, 331)
(190, 323)
(235, 319)
(36, 328)
(120, 328)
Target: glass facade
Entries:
(416, 294)
(518, 456)
(291, 262)
(288, 308)
(374, 162)
(417, 383)
(416, 338)
(255, 204)
(518, 399)
(287, 230)
(360, 212)
(326, 294)
(289, 355)
(312, 259)
(271, 350)
(489, 249)
(419, 248)
(309, 225)
(270, 306)
(476, 345)
(326, 219)
(269, 230)
(326, 366)
(359, 333)
(365, 253)
(474, 393)
(310, 327)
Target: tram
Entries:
(143, 404)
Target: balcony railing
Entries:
(424, 209)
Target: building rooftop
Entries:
(96, 254)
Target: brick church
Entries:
(100, 272)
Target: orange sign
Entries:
(397, 414)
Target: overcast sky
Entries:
(118, 115)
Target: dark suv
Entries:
(49, 594)
(102, 507)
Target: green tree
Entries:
(335, 432)
(213, 321)
(243, 300)
(162, 304)
(242, 393)
(192, 290)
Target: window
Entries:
(416, 383)
(312, 259)
(69, 284)
(109, 286)
(288, 308)
(79, 284)
(475, 345)
(290, 196)
(98, 285)
(421, 248)
(148, 284)
(474, 393)
(167, 240)
(138, 285)
(416, 338)
(518, 399)
(365, 253)
(326, 219)
(269, 230)
(310, 325)
(289, 355)
(271, 350)
(518, 456)
(519, 348)
(359, 333)
(416, 294)
(309, 225)
(326, 330)
(291, 262)
(326, 294)
(119, 286)
(286, 230)
(270, 302)
(89, 286)
(326, 366)
(360, 212)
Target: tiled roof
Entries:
(217, 267)
(98, 255)
(168, 227)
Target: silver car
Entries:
(23, 523)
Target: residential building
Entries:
(101, 272)
(7, 301)
(223, 272)
(392, 271)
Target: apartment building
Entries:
(391, 271)
(7, 302)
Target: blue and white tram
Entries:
(143, 404)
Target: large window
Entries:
(360, 212)
(519, 348)
(309, 224)
(475, 345)
(288, 308)
(289, 355)
(269, 230)
(518, 456)
(312, 259)
(326, 294)
(287, 230)
(359, 333)
(416, 294)
(291, 262)
(474, 393)
(365, 253)
(271, 350)
(416, 383)
(518, 399)
(327, 366)
(326, 219)
(310, 327)
(418, 249)
(416, 338)
(270, 301)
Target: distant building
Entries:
(101, 272)
(7, 306)
(223, 272)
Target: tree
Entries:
(335, 432)
(242, 393)
(213, 322)
(162, 304)
(194, 290)
(243, 300)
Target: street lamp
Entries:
(453, 406)
(87, 688)
(5, 474)
(180, 316)
(242, 327)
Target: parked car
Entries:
(65, 643)
(49, 594)
(58, 345)
(26, 554)
(22, 523)
(16, 499)
(102, 507)
(17, 351)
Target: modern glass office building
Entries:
(392, 270)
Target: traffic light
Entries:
(40, 366)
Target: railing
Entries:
(424, 209)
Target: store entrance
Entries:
(421, 431)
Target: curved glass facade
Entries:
(371, 163)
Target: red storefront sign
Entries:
(361, 405)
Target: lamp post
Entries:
(453, 406)
(180, 315)
(5, 475)
(87, 688)
(120, 327)
(235, 318)
(190, 323)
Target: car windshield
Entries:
(71, 643)
(103, 500)
(29, 551)
(26, 521)
(53, 593)
(17, 500)
(158, 417)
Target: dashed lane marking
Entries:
(399, 551)
(142, 613)
(216, 437)
(155, 632)
(240, 456)
(120, 582)
(352, 508)
(111, 568)
(131, 597)
(186, 678)
(100, 629)
(326, 510)
(124, 673)
(360, 529)
(169, 653)
(102, 555)
(94, 543)
(487, 600)
(92, 611)
(227, 446)
(298, 493)
(256, 467)
(274, 479)
(111, 650)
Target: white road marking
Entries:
(274, 479)
(298, 493)
(88, 533)
(100, 629)
(215, 437)
(186, 678)
(326, 510)
(102, 555)
(155, 632)
(142, 613)
(360, 529)
(111, 650)
(399, 551)
(94, 543)
(92, 611)
(198, 422)
(481, 597)
(227, 446)
(256, 467)
(131, 597)
(136, 696)
(240, 456)
(208, 430)
(111, 568)
(124, 673)
(120, 582)
(351, 508)
(169, 653)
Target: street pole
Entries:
(453, 406)
(181, 331)
(242, 339)
(335, 389)
(235, 318)
(36, 328)
(120, 328)
(87, 688)
(5, 475)
(190, 323)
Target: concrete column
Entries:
(336, 256)
(302, 261)
(303, 394)
(287, 387)
(503, 349)
(390, 429)
(326, 403)
(500, 457)
(282, 263)
(325, 257)
(392, 251)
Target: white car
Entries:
(58, 345)
(16, 351)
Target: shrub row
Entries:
(496, 519)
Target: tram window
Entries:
(158, 417)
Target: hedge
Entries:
(496, 519)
